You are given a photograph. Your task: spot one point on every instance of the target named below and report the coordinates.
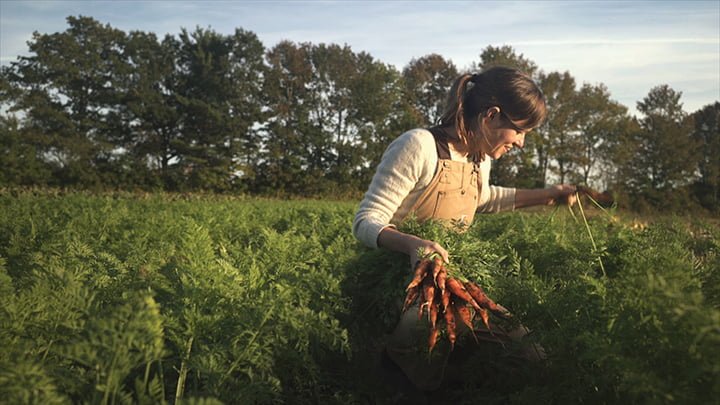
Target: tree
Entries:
(505, 56)
(21, 163)
(152, 111)
(559, 137)
(334, 70)
(617, 153)
(707, 134)
(218, 93)
(287, 83)
(70, 91)
(246, 101)
(665, 154)
(427, 81)
(381, 113)
(599, 120)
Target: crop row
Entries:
(109, 299)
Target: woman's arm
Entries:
(408, 162)
(562, 193)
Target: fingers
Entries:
(573, 195)
(427, 247)
(435, 247)
(571, 199)
(565, 194)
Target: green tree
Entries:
(599, 120)
(70, 90)
(333, 72)
(219, 98)
(505, 56)
(152, 111)
(427, 81)
(287, 128)
(19, 157)
(617, 153)
(381, 112)
(707, 134)
(665, 153)
(560, 136)
(246, 101)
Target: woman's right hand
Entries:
(423, 247)
(413, 246)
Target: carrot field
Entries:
(167, 298)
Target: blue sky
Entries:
(630, 46)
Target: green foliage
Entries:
(160, 299)
(110, 299)
(648, 331)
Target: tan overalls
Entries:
(453, 193)
(452, 196)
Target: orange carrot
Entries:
(428, 288)
(485, 318)
(437, 267)
(432, 339)
(421, 269)
(605, 199)
(451, 327)
(465, 316)
(410, 298)
(433, 313)
(463, 313)
(441, 279)
(481, 298)
(445, 298)
(421, 307)
(457, 288)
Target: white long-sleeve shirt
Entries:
(406, 169)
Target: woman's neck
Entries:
(461, 149)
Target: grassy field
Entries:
(124, 298)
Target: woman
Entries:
(442, 173)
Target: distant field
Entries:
(149, 298)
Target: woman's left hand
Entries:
(563, 194)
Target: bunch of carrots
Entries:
(454, 299)
(604, 199)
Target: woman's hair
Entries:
(514, 92)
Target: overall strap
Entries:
(441, 142)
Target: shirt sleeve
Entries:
(493, 198)
(403, 164)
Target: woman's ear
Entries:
(492, 112)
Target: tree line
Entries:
(95, 107)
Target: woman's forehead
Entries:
(526, 125)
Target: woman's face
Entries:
(501, 134)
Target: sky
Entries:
(629, 46)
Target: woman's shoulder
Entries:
(413, 149)
(416, 139)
